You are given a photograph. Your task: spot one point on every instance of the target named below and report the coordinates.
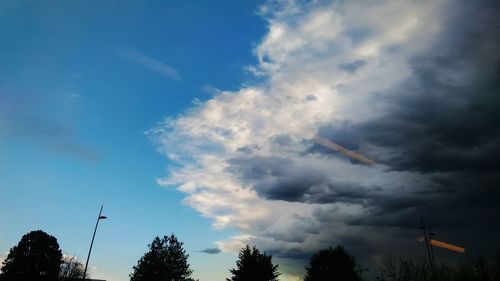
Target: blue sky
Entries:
(75, 109)
(290, 125)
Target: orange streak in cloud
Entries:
(447, 246)
(343, 150)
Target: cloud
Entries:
(151, 63)
(211, 251)
(352, 67)
(2, 258)
(42, 121)
(407, 94)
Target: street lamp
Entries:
(432, 234)
(427, 242)
(99, 217)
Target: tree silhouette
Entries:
(254, 266)
(71, 267)
(331, 264)
(36, 257)
(166, 260)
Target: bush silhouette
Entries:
(331, 264)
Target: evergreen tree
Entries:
(254, 266)
(36, 257)
(331, 264)
(166, 260)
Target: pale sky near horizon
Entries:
(202, 119)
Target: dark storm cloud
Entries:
(443, 124)
(294, 253)
(277, 178)
(306, 225)
(448, 113)
(356, 245)
(455, 200)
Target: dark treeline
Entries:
(37, 257)
(406, 269)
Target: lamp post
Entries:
(428, 245)
(99, 217)
(427, 242)
(432, 234)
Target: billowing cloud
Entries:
(370, 115)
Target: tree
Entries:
(36, 257)
(331, 264)
(71, 267)
(254, 266)
(166, 260)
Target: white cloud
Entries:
(2, 258)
